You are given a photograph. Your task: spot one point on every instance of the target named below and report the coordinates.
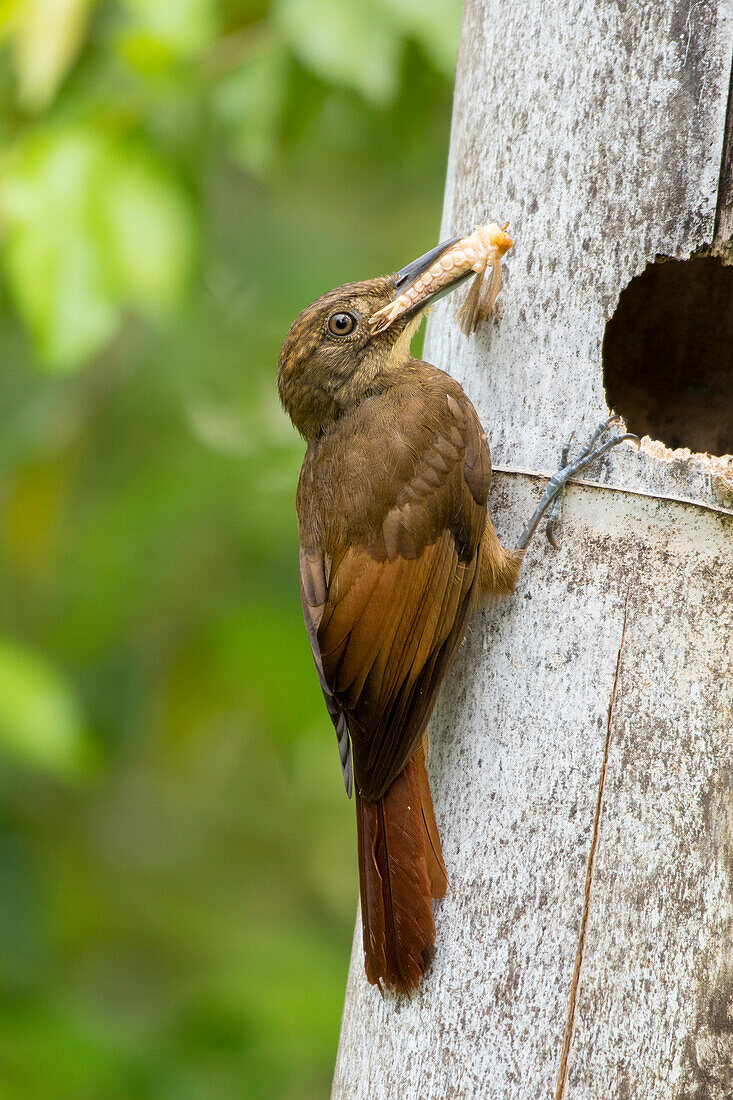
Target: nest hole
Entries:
(668, 354)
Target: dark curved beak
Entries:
(408, 275)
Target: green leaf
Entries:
(48, 35)
(353, 45)
(41, 722)
(435, 26)
(168, 29)
(250, 103)
(147, 231)
(54, 265)
(92, 225)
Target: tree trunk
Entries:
(582, 749)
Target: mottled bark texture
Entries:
(599, 130)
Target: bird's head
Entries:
(348, 344)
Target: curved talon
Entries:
(550, 532)
(556, 511)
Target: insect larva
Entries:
(480, 250)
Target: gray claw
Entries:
(550, 532)
(555, 490)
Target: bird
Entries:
(397, 553)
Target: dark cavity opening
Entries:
(668, 354)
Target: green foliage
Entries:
(179, 178)
(40, 717)
(354, 45)
(47, 37)
(176, 29)
(250, 102)
(92, 225)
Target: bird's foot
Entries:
(555, 492)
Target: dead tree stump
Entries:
(582, 749)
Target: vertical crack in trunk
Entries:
(723, 231)
(562, 1077)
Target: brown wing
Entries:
(313, 593)
(386, 619)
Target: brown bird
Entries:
(397, 551)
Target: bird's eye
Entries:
(341, 324)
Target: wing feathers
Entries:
(433, 848)
(391, 610)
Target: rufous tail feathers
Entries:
(400, 870)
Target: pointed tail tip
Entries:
(400, 871)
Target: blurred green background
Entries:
(178, 178)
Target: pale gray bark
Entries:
(599, 131)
